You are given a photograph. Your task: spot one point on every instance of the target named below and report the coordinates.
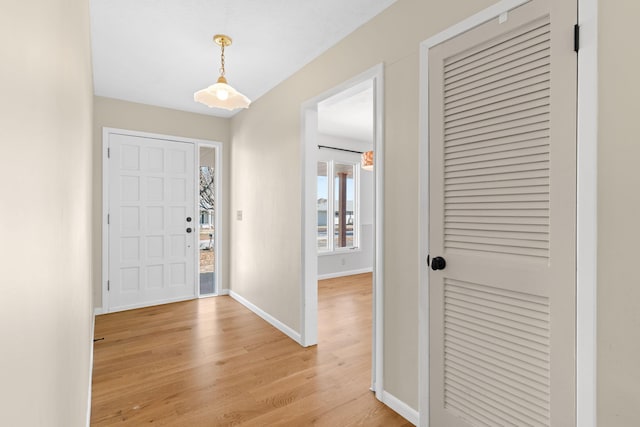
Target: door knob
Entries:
(189, 230)
(438, 263)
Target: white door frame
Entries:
(309, 268)
(217, 202)
(106, 131)
(587, 146)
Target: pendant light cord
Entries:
(222, 59)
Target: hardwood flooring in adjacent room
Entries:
(211, 362)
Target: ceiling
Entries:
(349, 114)
(160, 52)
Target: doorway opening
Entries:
(342, 204)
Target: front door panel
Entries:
(151, 198)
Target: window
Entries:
(337, 206)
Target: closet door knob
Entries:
(438, 263)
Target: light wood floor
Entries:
(211, 362)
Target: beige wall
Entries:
(119, 114)
(46, 176)
(619, 215)
(266, 243)
(45, 220)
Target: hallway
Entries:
(211, 362)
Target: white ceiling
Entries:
(159, 52)
(349, 114)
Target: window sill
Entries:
(339, 252)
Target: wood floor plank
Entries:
(211, 362)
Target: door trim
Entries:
(309, 255)
(106, 131)
(587, 145)
(587, 210)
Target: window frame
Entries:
(331, 248)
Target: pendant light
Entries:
(220, 94)
(367, 160)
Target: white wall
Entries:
(45, 212)
(360, 260)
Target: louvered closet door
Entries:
(502, 119)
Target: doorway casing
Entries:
(309, 258)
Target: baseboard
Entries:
(401, 408)
(223, 292)
(153, 303)
(93, 328)
(268, 318)
(344, 273)
(97, 311)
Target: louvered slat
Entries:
(482, 97)
(522, 415)
(481, 51)
(497, 360)
(497, 179)
(500, 388)
(521, 182)
(500, 372)
(503, 123)
(503, 159)
(462, 235)
(505, 77)
(475, 192)
(496, 141)
(505, 149)
(496, 64)
(508, 131)
(497, 171)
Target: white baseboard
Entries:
(93, 328)
(97, 311)
(269, 318)
(223, 292)
(401, 408)
(344, 273)
(152, 303)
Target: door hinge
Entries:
(108, 285)
(108, 152)
(108, 219)
(576, 38)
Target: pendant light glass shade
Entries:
(220, 94)
(367, 160)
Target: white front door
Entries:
(502, 150)
(152, 221)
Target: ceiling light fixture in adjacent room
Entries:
(220, 94)
(367, 160)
